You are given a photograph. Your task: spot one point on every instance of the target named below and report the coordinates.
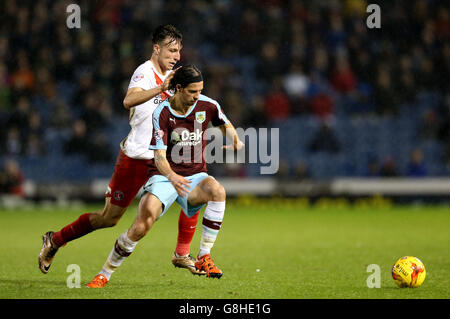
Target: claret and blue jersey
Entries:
(182, 136)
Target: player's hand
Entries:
(234, 147)
(166, 83)
(180, 183)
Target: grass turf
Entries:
(267, 250)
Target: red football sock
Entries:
(78, 228)
(186, 230)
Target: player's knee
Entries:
(147, 216)
(137, 231)
(218, 193)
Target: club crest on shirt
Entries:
(159, 134)
(138, 77)
(200, 116)
(119, 195)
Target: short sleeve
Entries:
(160, 128)
(140, 79)
(218, 117)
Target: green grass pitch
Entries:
(267, 249)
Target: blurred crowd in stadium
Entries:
(339, 92)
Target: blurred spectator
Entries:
(427, 79)
(336, 35)
(5, 90)
(22, 78)
(373, 168)
(93, 117)
(256, 115)
(79, 141)
(389, 168)
(98, 151)
(276, 103)
(406, 88)
(322, 106)
(269, 65)
(19, 117)
(233, 106)
(296, 82)
(35, 124)
(61, 115)
(11, 179)
(14, 145)
(250, 29)
(301, 171)
(416, 166)
(429, 129)
(384, 93)
(324, 140)
(342, 77)
(35, 146)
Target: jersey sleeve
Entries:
(160, 128)
(140, 79)
(218, 117)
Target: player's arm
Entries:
(137, 95)
(229, 131)
(180, 183)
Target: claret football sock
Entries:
(78, 228)
(212, 222)
(186, 231)
(123, 248)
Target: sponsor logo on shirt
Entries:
(191, 138)
(186, 138)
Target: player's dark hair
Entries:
(166, 31)
(185, 75)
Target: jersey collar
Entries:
(178, 115)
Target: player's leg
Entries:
(85, 224)
(158, 197)
(186, 230)
(150, 208)
(128, 177)
(211, 192)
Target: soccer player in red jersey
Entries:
(147, 89)
(179, 172)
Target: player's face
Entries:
(168, 53)
(191, 93)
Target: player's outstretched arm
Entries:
(229, 131)
(136, 95)
(180, 183)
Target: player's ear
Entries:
(156, 48)
(178, 87)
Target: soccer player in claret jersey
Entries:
(179, 172)
(147, 89)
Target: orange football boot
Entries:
(99, 281)
(205, 263)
